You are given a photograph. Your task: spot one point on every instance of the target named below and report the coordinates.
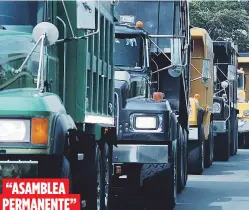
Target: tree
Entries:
(224, 20)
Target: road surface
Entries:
(224, 186)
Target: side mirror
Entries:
(176, 69)
(205, 71)
(47, 34)
(49, 30)
(86, 14)
(231, 73)
(224, 84)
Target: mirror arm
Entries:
(41, 66)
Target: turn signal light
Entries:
(39, 131)
(139, 24)
(118, 170)
(158, 96)
(197, 96)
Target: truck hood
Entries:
(28, 101)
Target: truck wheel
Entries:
(180, 162)
(66, 172)
(222, 147)
(232, 144)
(185, 157)
(107, 160)
(103, 176)
(237, 138)
(159, 185)
(241, 139)
(196, 154)
(246, 140)
(209, 148)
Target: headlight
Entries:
(246, 112)
(216, 107)
(14, 130)
(146, 122)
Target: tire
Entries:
(159, 185)
(66, 172)
(236, 138)
(185, 157)
(104, 172)
(246, 140)
(241, 140)
(180, 162)
(233, 140)
(197, 153)
(209, 148)
(222, 147)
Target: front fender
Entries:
(62, 124)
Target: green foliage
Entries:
(224, 20)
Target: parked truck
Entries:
(57, 94)
(225, 100)
(201, 140)
(243, 100)
(152, 86)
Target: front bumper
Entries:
(219, 126)
(243, 125)
(150, 154)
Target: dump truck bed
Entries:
(89, 90)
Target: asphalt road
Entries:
(223, 186)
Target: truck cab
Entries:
(152, 115)
(225, 100)
(243, 100)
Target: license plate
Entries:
(18, 169)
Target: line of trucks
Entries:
(122, 98)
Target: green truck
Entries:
(57, 94)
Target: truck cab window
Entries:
(22, 15)
(240, 81)
(129, 52)
(136, 88)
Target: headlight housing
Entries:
(15, 130)
(143, 122)
(216, 107)
(246, 112)
(34, 131)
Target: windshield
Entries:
(129, 53)
(14, 50)
(21, 15)
(241, 81)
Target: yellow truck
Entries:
(243, 98)
(201, 139)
